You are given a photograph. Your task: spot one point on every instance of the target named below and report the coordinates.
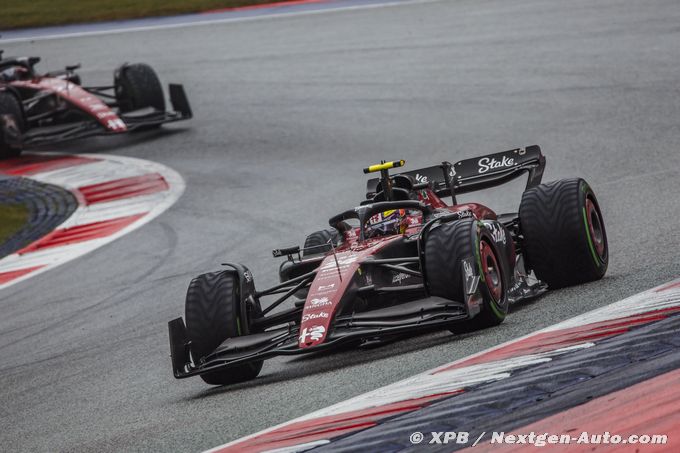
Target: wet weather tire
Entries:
(137, 86)
(565, 242)
(319, 242)
(10, 109)
(212, 315)
(446, 247)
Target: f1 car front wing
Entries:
(425, 314)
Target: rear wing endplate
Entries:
(478, 173)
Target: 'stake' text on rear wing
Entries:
(469, 175)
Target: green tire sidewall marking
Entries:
(499, 314)
(598, 261)
(238, 318)
(478, 257)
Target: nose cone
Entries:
(329, 285)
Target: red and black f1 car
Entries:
(403, 261)
(38, 109)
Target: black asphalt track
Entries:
(287, 112)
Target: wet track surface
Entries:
(287, 112)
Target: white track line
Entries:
(106, 168)
(445, 379)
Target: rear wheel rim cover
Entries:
(491, 270)
(595, 228)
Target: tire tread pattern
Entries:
(212, 313)
(555, 240)
(446, 247)
(141, 88)
(319, 240)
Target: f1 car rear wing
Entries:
(478, 173)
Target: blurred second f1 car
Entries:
(38, 109)
(403, 261)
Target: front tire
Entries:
(565, 242)
(212, 315)
(320, 242)
(137, 86)
(13, 121)
(446, 247)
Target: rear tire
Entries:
(10, 108)
(213, 307)
(137, 86)
(565, 242)
(445, 249)
(320, 241)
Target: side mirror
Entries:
(290, 251)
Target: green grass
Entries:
(38, 13)
(12, 218)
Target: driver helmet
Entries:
(387, 222)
